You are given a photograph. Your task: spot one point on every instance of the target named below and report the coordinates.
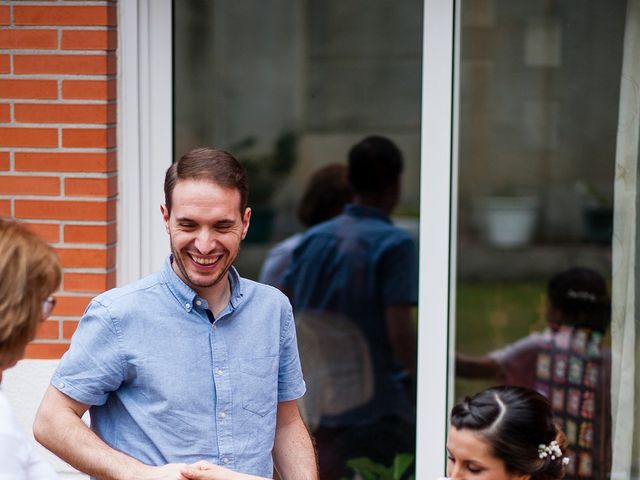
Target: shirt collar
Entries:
(364, 211)
(187, 296)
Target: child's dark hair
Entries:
(580, 295)
(514, 421)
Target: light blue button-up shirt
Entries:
(165, 384)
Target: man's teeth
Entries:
(204, 261)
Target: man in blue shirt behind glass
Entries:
(357, 276)
(191, 363)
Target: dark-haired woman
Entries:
(505, 433)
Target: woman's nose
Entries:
(454, 472)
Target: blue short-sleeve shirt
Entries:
(358, 264)
(165, 384)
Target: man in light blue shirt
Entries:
(191, 363)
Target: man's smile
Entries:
(204, 261)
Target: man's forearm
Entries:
(61, 430)
(293, 452)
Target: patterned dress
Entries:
(572, 370)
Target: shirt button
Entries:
(187, 306)
(219, 371)
(198, 302)
(223, 415)
(215, 327)
(225, 460)
(61, 385)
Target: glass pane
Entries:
(289, 88)
(538, 118)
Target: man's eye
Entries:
(186, 225)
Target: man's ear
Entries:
(246, 219)
(165, 216)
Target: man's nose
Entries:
(205, 241)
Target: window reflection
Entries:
(289, 87)
(539, 87)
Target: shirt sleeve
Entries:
(399, 274)
(93, 366)
(291, 385)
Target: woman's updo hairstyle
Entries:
(514, 421)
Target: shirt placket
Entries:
(223, 408)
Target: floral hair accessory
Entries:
(552, 450)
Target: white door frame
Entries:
(145, 151)
(145, 134)
(437, 238)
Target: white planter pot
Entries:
(508, 222)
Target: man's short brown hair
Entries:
(210, 164)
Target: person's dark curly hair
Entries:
(514, 421)
(580, 295)
(326, 194)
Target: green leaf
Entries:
(401, 463)
(370, 470)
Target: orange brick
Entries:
(69, 328)
(64, 210)
(88, 282)
(30, 89)
(48, 231)
(105, 234)
(91, 187)
(87, 258)
(5, 64)
(89, 40)
(5, 113)
(4, 160)
(64, 162)
(61, 113)
(23, 185)
(89, 137)
(89, 89)
(46, 351)
(41, 39)
(5, 18)
(80, 15)
(65, 64)
(28, 137)
(5, 208)
(48, 330)
(70, 306)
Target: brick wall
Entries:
(58, 144)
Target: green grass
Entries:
(490, 315)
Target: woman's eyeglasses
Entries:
(47, 307)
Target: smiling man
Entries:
(191, 363)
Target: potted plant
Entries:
(266, 172)
(508, 218)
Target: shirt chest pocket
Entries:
(259, 384)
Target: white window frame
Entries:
(145, 134)
(145, 151)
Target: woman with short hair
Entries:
(30, 273)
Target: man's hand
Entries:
(207, 471)
(171, 471)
